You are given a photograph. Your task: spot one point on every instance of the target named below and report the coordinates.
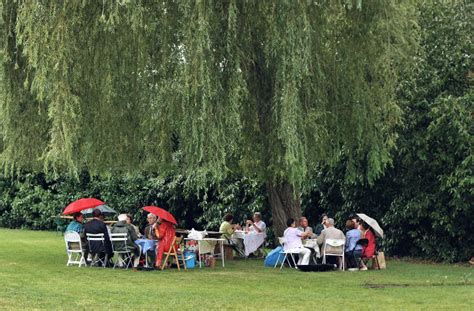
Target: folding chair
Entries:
(119, 247)
(75, 255)
(334, 243)
(284, 252)
(363, 243)
(93, 239)
(234, 245)
(175, 252)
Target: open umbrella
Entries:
(82, 204)
(106, 211)
(163, 214)
(372, 223)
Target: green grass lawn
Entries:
(33, 275)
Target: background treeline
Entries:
(424, 200)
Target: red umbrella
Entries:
(82, 204)
(163, 214)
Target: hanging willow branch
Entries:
(205, 88)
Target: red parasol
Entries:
(82, 204)
(163, 214)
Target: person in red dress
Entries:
(165, 233)
(369, 251)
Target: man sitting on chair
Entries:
(122, 226)
(305, 228)
(331, 233)
(96, 226)
(293, 242)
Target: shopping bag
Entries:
(381, 260)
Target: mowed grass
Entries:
(33, 275)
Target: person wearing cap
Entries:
(122, 226)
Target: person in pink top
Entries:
(369, 251)
(293, 237)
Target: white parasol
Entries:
(372, 223)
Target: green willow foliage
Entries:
(424, 200)
(267, 88)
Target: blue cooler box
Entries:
(190, 258)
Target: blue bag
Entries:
(273, 257)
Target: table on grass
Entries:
(251, 240)
(312, 244)
(146, 245)
(207, 245)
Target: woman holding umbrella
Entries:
(369, 250)
(165, 233)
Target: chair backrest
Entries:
(95, 237)
(119, 241)
(339, 243)
(96, 242)
(282, 241)
(335, 242)
(362, 242)
(72, 237)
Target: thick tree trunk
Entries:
(285, 203)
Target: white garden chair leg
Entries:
(276, 262)
(283, 262)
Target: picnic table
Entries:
(251, 240)
(312, 244)
(146, 245)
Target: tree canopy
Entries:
(267, 87)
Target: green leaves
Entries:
(205, 88)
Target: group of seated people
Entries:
(161, 231)
(356, 229)
(227, 229)
(256, 225)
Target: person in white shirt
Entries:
(257, 225)
(293, 243)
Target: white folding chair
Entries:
(96, 258)
(74, 256)
(285, 253)
(340, 243)
(119, 247)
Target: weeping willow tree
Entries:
(268, 89)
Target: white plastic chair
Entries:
(334, 243)
(99, 237)
(74, 256)
(119, 247)
(284, 252)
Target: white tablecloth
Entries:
(252, 240)
(311, 243)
